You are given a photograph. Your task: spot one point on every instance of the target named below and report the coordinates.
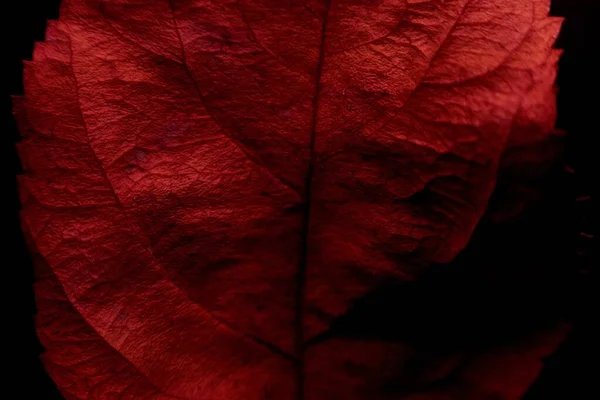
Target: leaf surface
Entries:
(210, 185)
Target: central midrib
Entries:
(303, 257)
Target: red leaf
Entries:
(210, 185)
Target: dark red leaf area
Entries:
(478, 327)
(219, 194)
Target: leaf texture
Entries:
(209, 186)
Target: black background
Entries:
(570, 374)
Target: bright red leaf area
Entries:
(211, 185)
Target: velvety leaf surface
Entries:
(210, 186)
